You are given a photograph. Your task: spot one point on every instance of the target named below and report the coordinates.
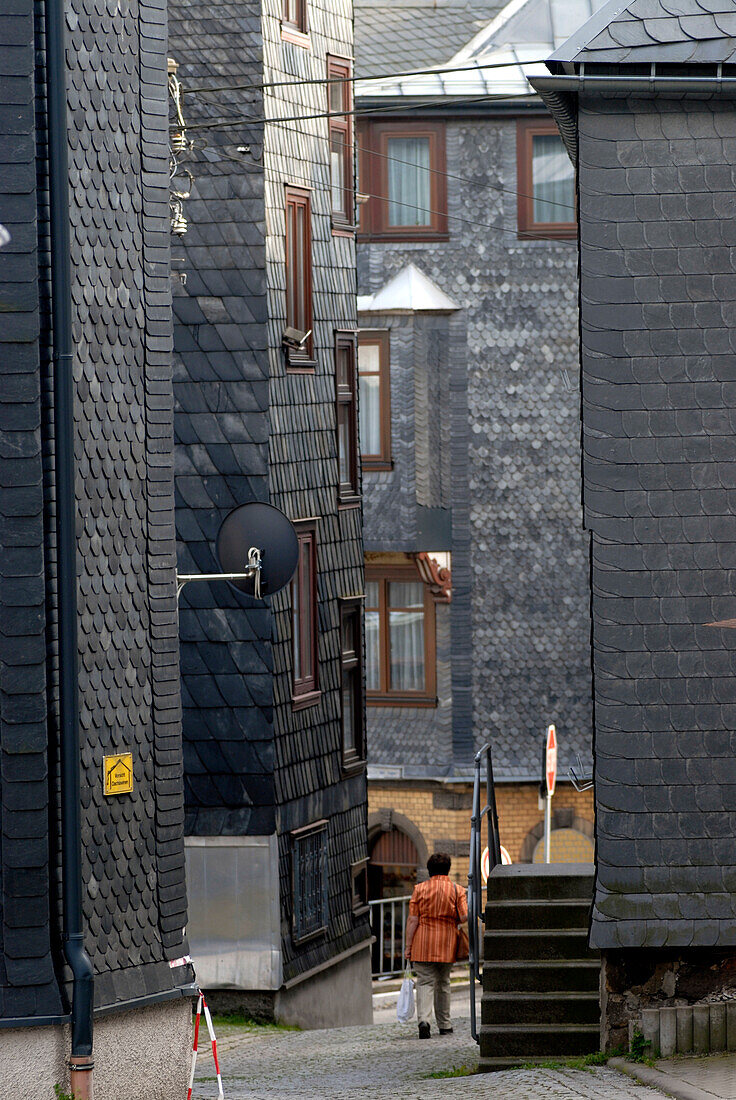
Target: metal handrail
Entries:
(389, 947)
(476, 907)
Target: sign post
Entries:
(550, 774)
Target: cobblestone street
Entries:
(385, 1061)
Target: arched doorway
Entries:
(392, 865)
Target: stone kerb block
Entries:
(684, 1029)
(650, 1028)
(667, 1032)
(717, 1027)
(731, 1026)
(701, 1028)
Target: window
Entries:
(359, 874)
(353, 740)
(309, 881)
(340, 98)
(304, 620)
(299, 274)
(347, 427)
(403, 170)
(399, 637)
(294, 21)
(545, 181)
(375, 399)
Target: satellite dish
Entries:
(272, 533)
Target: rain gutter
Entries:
(558, 92)
(80, 1062)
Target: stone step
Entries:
(540, 1008)
(525, 1041)
(533, 880)
(535, 913)
(548, 943)
(541, 975)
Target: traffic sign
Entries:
(485, 862)
(550, 760)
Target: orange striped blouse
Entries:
(440, 906)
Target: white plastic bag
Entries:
(405, 1003)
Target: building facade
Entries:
(468, 297)
(656, 170)
(265, 387)
(122, 659)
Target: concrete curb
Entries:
(665, 1082)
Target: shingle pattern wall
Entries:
(303, 468)
(659, 410)
(135, 904)
(27, 982)
(222, 423)
(405, 36)
(517, 511)
(696, 31)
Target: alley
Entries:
(385, 1061)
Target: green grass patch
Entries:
(248, 1023)
(586, 1062)
(455, 1071)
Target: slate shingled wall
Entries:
(222, 422)
(309, 782)
(248, 430)
(520, 569)
(658, 298)
(133, 870)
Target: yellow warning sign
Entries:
(118, 773)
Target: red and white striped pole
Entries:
(202, 1005)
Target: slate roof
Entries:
(498, 60)
(694, 31)
(414, 34)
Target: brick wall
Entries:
(441, 813)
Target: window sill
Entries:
(301, 366)
(342, 228)
(291, 33)
(299, 940)
(363, 911)
(346, 502)
(548, 233)
(353, 766)
(376, 465)
(309, 699)
(423, 701)
(404, 237)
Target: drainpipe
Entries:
(80, 1062)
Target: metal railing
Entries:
(388, 924)
(476, 898)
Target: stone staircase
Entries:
(540, 996)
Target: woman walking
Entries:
(436, 908)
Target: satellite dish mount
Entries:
(271, 558)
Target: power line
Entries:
(359, 79)
(315, 186)
(357, 112)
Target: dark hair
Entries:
(439, 863)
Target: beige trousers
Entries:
(433, 984)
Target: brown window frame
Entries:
(346, 398)
(526, 130)
(295, 30)
(302, 929)
(299, 284)
(381, 338)
(359, 880)
(340, 128)
(373, 138)
(305, 690)
(351, 661)
(385, 696)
